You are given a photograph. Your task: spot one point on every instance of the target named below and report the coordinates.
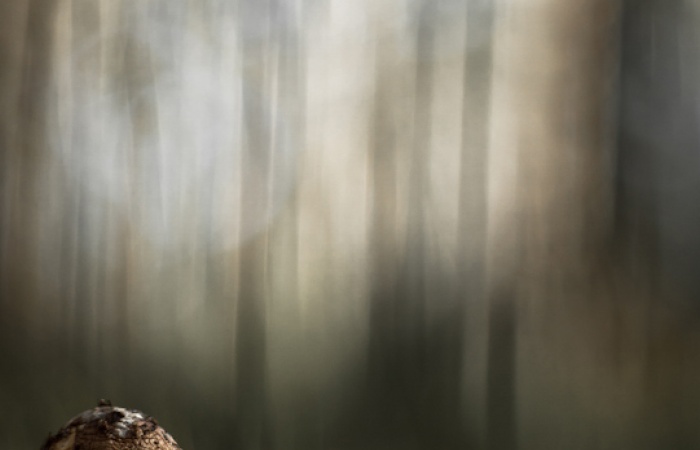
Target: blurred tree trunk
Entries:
(250, 391)
(548, 183)
(477, 74)
(26, 59)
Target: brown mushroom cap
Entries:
(108, 427)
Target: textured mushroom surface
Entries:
(108, 427)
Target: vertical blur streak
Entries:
(472, 214)
(330, 224)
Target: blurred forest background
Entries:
(367, 224)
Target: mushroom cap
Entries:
(108, 427)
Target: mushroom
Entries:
(108, 427)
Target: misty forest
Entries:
(353, 224)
